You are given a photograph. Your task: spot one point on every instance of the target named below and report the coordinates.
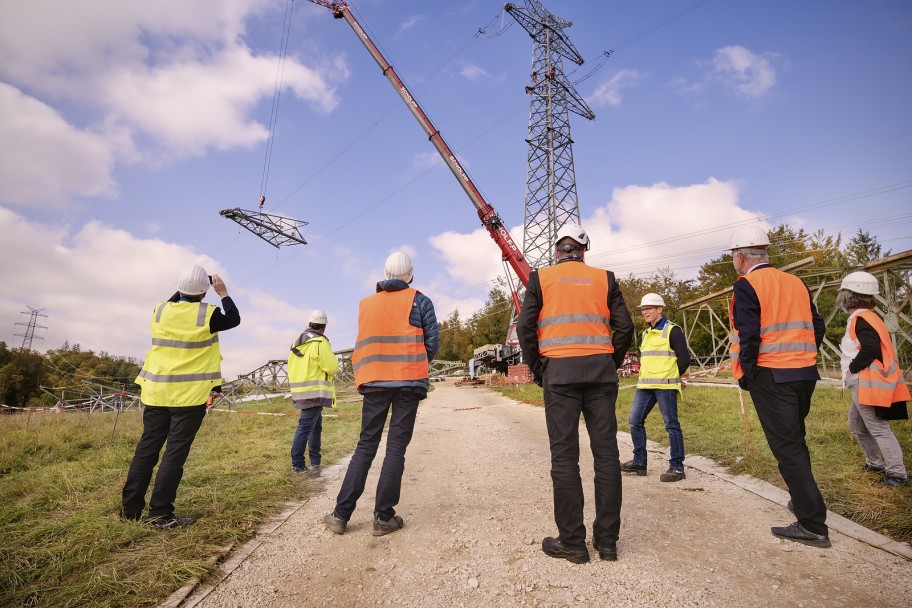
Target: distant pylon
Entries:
(551, 199)
(31, 326)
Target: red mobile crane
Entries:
(511, 254)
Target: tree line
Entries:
(832, 261)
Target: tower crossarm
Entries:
(545, 28)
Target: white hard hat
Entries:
(193, 281)
(574, 232)
(317, 317)
(652, 299)
(861, 282)
(399, 266)
(749, 236)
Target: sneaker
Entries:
(870, 469)
(894, 482)
(130, 517)
(607, 551)
(553, 547)
(334, 524)
(632, 467)
(314, 471)
(796, 532)
(170, 522)
(382, 528)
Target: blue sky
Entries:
(126, 127)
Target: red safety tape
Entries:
(44, 409)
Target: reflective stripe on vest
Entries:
(183, 364)
(388, 347)
(658, 362)
(574, 320)
(306, 378)
(881, 383)
(786, 324)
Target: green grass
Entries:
(712, 423)
(61, 541)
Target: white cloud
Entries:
(473, 72)
(98, 289)
(409, 23)
(608, 93)
(426, 160)
(45, 162)
(744, 71)
(148, 82)
(694, 223)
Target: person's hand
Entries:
(744, 383)
(683, 383)
(219, 286)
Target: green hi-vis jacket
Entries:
(311, 367)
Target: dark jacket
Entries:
(574, 370)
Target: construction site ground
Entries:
(477, 501)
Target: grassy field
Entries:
(61, 541)
(713, 427)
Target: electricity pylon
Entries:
(551, 199)
(29, 335)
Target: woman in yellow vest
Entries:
(871, 371)
(311, 367)
(181, 370)
(663, 358)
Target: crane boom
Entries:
(489, 218)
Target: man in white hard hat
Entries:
(664, 358)
(181, 372)
(870, 370)
(777, 332)
(397, 339)
(311, 367)
(574, 330)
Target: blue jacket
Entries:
(423, 316)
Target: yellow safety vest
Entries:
(184, 363)
(307, 376)
(658, 362)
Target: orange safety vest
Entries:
(574, 318)
(388, 347)
(786, 325)
(881, 383)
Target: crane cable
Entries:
(276, 95)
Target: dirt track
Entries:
(476, 501)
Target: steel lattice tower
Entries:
(551, 199)
(29, 335)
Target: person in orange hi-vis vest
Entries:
(777, 332)
(870, 370)
(397, 338)
(574, 330)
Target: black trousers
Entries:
(782, 409)
(563, 405)
(376, 405)
(176, 425)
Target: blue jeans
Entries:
(310, 429)
(376, 405)
(643, 402)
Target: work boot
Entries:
(334, 524)
(672, 475)
(553, 547)
(382, 527)
(607, 551)
(314, 471)
(796, 532)
(871, 469)
(894, 482)
(632, 467)
(170, 523)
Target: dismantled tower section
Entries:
(276, 230)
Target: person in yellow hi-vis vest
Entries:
(181, 371)
(870, 370)
(311, 367)
(664, 358)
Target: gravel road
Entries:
(476, 500)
